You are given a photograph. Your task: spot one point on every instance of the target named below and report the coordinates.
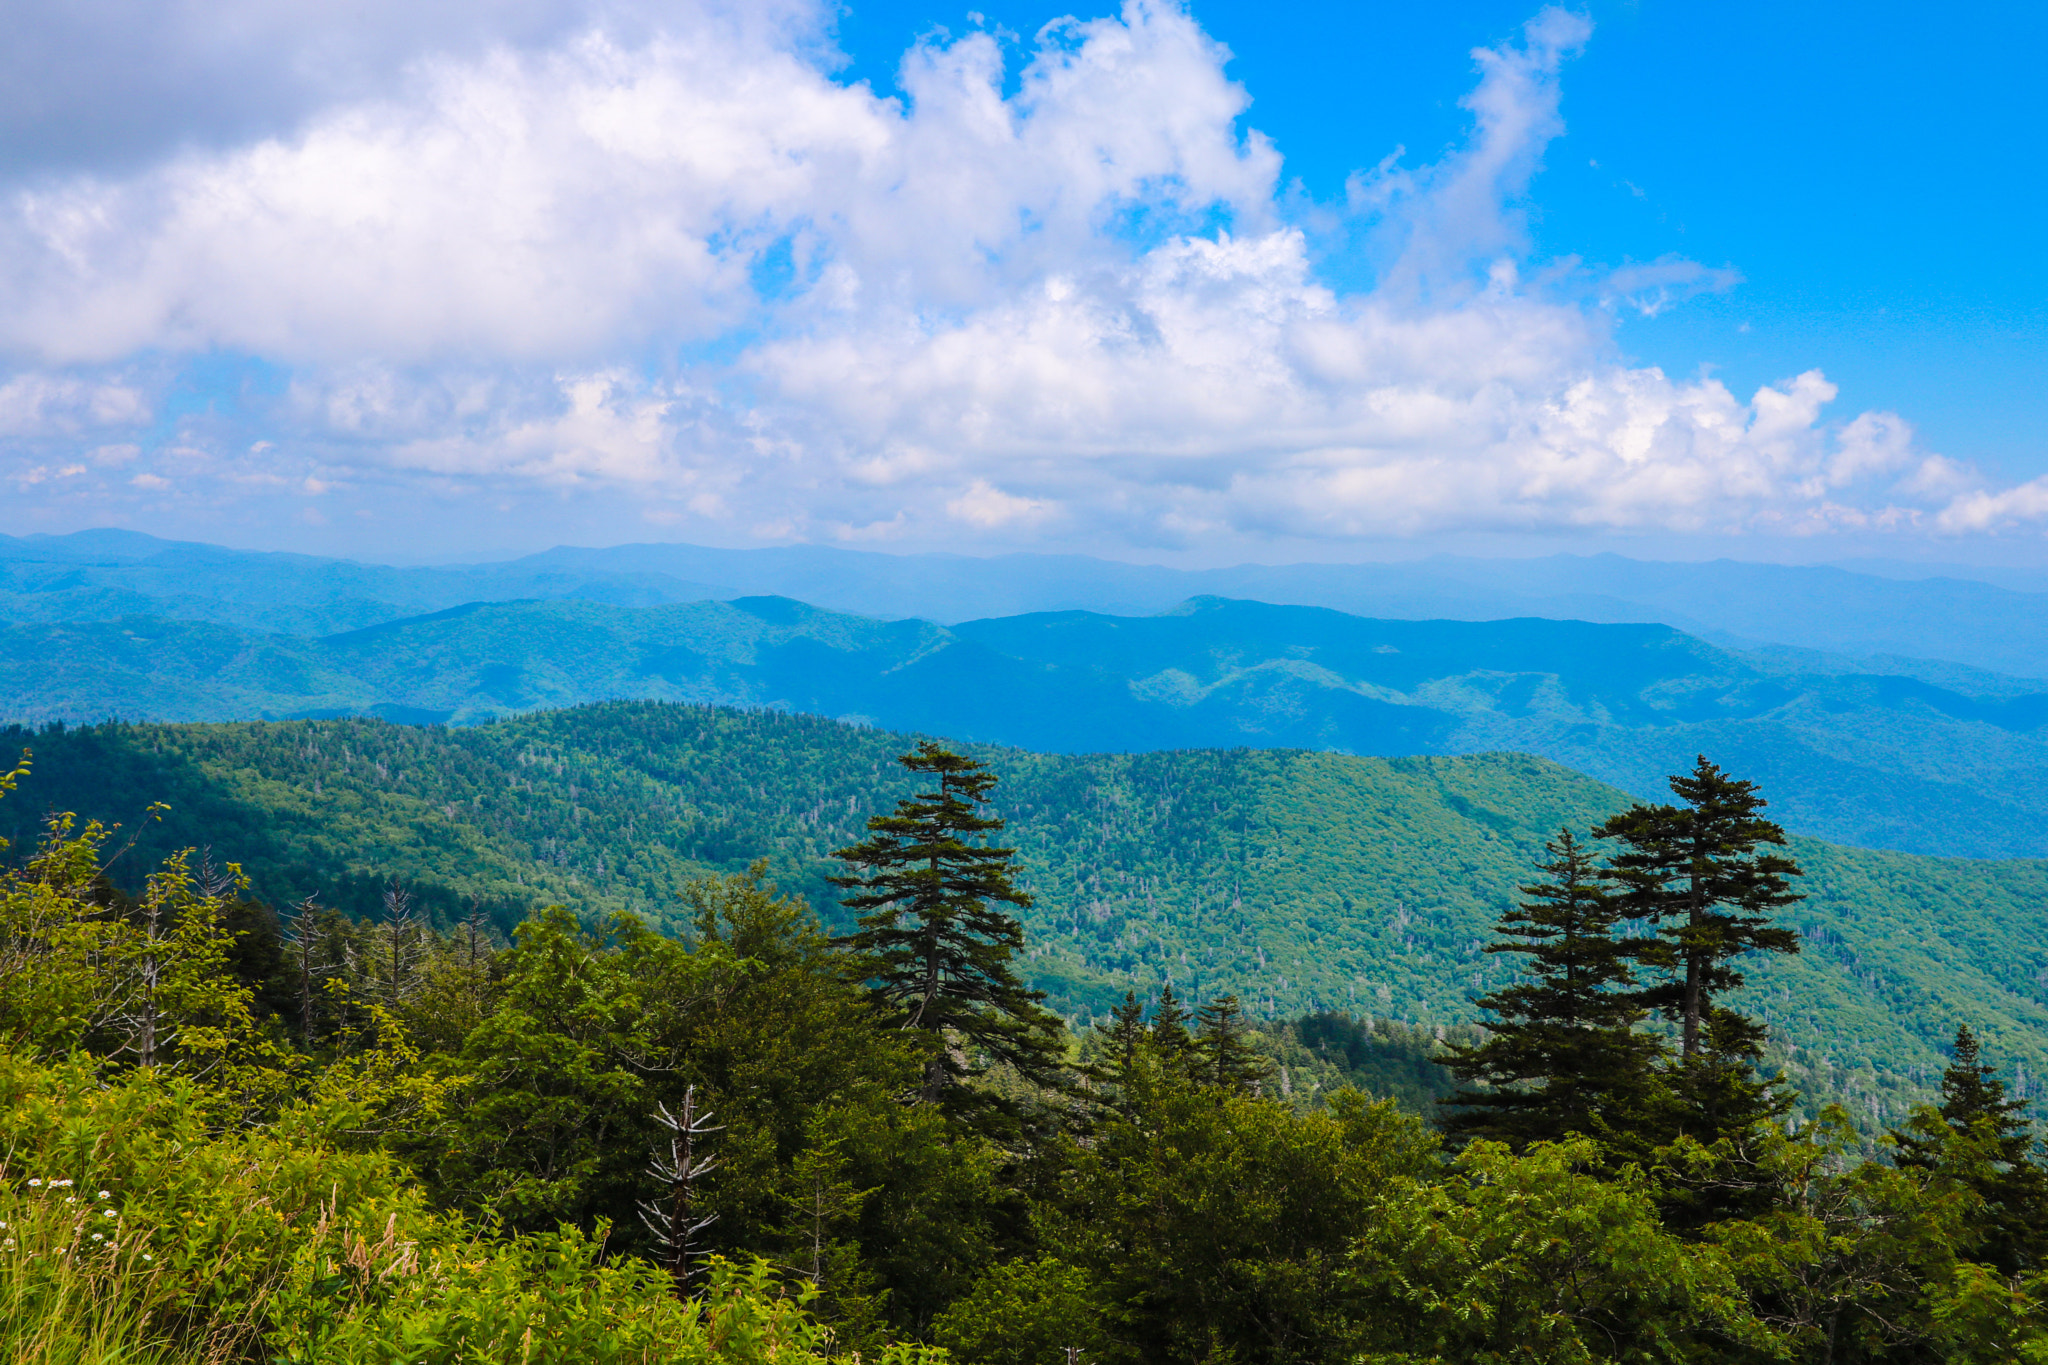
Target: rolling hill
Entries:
(1869, 759)
(1297, 880)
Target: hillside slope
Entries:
(1297, 880)
(1873, 760)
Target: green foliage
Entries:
(1980, 1138)
(935, 939)
(132, 1225)
(1216, 1225)
(1534, 1258)
(1026, 1313)
(1299, 882)
(1563, 1055)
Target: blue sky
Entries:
(1874, 172)
(1743, 279)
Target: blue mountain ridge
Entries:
(1868, 759)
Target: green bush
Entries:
(134, 1232)
(1026, 1313)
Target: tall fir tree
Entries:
(1563, 1055)
(1706, 872)
(938, 940)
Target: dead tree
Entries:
(673, 1218)
(403, 945)
(301, 939)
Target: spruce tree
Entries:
(1705, 872)
(937, 939)
(1124, 1037)
(1170, 1037)
(1563, 1055)
(1225, 1058)
(1977, 1122)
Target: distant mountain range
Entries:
(1863, 758)
(1872, 612)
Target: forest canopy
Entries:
(239, 1130)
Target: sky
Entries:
(1206, 284)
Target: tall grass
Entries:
(77, 1281)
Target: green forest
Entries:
(1301, 882)
(618, 1092)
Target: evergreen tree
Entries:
(1170, 1026)
(936, 939)
(1125, 1035)
(1703, 871)
(1982, 1135)
(1224, 1057)
(1563, 1056)
(1696, 870)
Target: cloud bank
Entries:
(672, 258)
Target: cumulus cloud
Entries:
(673, 253)
(36, 403)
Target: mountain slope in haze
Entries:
(101, 575)
(106, 575)
(1296, 880)
(1878, 761)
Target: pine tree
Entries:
(936, 939)
(1563, 1056)
(1703, 872)
(1225, 1059)
(1695, 870)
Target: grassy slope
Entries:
(1298, 880)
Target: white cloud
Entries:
(672, 254)
(987, 506)
(1983, 510)
(39, 404)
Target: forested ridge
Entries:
(1918, 757)
(1298, 881)
(239, 1129)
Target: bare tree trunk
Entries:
(673, 1219)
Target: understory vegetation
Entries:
(235, 1130)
